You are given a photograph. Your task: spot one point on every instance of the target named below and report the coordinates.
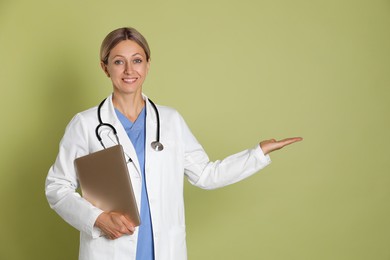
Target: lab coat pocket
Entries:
(177, 238)
(125, 247)
(96, 248)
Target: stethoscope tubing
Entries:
(156, 145)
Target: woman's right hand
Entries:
(114, 225)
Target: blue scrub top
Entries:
(136, 132)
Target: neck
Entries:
(130, 105)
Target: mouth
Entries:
(129, 80)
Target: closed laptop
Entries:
(105, 182)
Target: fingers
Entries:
(114, 225)
(122, 225)
(288, 141)
(128, 226)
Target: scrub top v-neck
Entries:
(136, 132)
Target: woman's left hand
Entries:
(272, 145)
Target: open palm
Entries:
(272, 145)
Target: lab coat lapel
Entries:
(109, 116)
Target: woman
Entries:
(157, 176)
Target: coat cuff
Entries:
(260, 154)
(95, 232)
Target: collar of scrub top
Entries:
(156, 145)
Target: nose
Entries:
(128, 68)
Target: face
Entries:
(127, 68)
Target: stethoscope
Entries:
(156, 145)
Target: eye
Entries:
(118, 62)
(137, 61)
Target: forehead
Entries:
(127, 48)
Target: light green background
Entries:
(239, 72)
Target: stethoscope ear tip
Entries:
(157, 146)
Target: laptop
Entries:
(105, 182)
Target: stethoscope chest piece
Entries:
(157, 146)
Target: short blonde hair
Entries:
(122, 34)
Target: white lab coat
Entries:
(165, 170)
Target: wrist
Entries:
(100, 219)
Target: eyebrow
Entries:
(135, 54)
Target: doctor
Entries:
(157, 176)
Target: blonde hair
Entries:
(122, 34)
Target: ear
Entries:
(104, 68)
(148, 67)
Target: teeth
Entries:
(129, 80)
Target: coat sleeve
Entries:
(61, 182)
(205, 174)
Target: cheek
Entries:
(114, 73)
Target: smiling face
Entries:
(127, 67)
